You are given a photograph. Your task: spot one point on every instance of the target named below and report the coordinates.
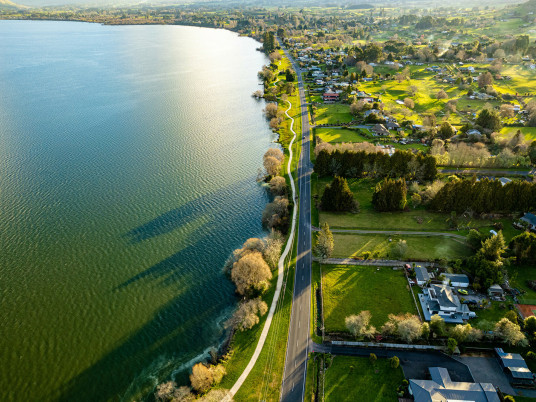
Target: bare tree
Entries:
(248, 313)
(442, 95)
(271, 110)
(272, 248)
(358, 325)
(201, 378)
(278, 185)
(216, 395)
(509, 332)
(272, 165)
(507, 111)
(251, 274)
(484, 80)
(409, 328)
(410, 104)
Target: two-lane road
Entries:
(298, 338)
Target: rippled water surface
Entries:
(128, 158)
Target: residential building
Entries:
(379, 129)
(457, 280)
(421, 275)
(515, 367)
(330, 97)
(441, 388)
(441, 300)
(495, 291)
(530, 219)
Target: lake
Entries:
(128, 158)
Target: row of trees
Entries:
(403, 164)
(485, 196)
(408, 328)
(276, 214)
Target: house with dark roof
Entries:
(457, 280)
(441, 388)
(530, 220)
(515, 367)
(441, 300)
(379, 129)
(421, 275)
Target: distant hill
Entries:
(7, 4)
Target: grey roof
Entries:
(380, 128)
(442, 388)
(496, 288)
(460, 278)
(529, 218)
(444, 296)
(515, 363)
(422, 274)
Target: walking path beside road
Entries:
(280, 275)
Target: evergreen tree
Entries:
(489, 119)
(523, 247)
(390, 195)
(324, 242)
(338, 197)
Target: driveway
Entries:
(415, 364)
(487, 369)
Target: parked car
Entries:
(462, 291)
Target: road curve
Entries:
(293, 386)
(280, 275)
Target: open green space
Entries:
(357, 379)
(336, 135)
(528, 132)
(379, 246)
(418, 219)
(519, 275)
(332, 114)
(492, 313)
(350, 289)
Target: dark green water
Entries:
(128, 158)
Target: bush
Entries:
(394, 361)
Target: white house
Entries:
(421, 275)
(457, 280)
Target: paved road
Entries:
(292, 388)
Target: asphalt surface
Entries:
(292, 388)
(414, 363)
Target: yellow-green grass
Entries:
(332, 113)
(352, 378)
(528, 132)
(419, 247)
(265, 378)
(417, 219)
(350, 289)
(336, 135)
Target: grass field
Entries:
(492, 314)
(418, 219)
(419, 247)
(528, 132)
(519, 275)
(332, 114)
(349, 290)
(357, 379)
(336, 135)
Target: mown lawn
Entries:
(349, 290)
(335, 135)
(528, 132)
(419, 247)
(332, 113)
(492, 313)
(357, 379)
(519, 275)
(418, 219)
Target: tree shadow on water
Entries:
(168, 333)
(191, 210)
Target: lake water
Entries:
(128, 158)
